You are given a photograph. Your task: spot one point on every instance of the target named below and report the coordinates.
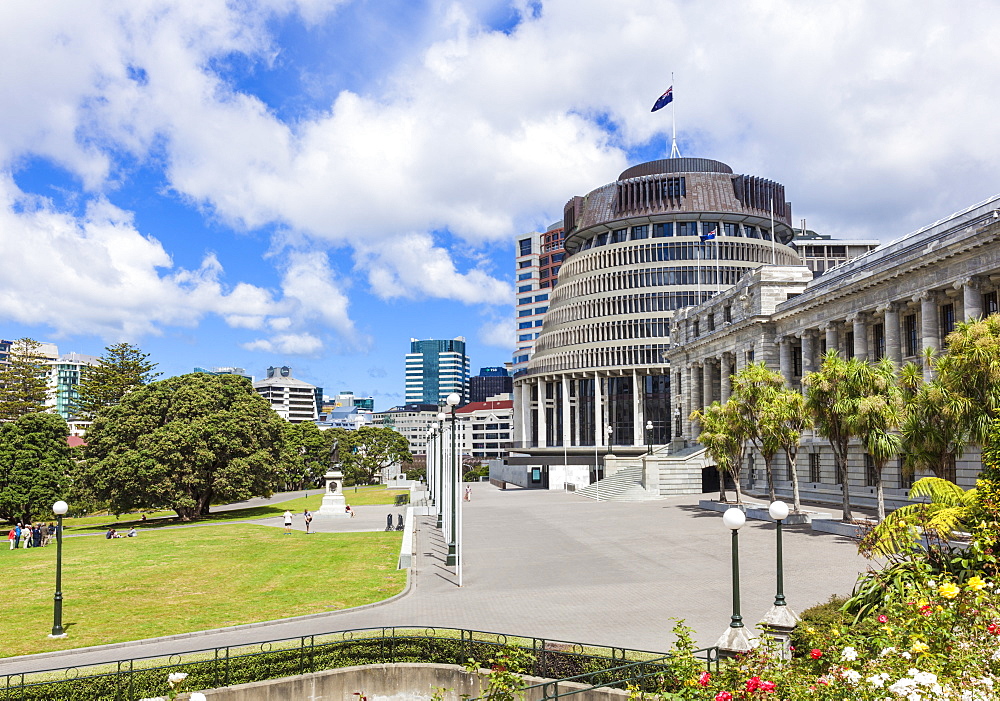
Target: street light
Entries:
(429, 465)
(735, 638)
(779, 512)
(453, 400)
(440, 469)
(649, 437)
(59, 508)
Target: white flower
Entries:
(849, 654)
(924, 678)
(887, 651)
(903, 686)
(996, 655)
(915, 696)
(878, 680)
(176, 678)
(907, 655)
(851, 676)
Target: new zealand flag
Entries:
(664, 99)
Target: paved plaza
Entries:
(558, 566)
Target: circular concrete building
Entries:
(666, 235)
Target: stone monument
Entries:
(334, 503)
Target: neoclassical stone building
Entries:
(892, 302)
(666, 235)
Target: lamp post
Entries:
(735, 639)
(429, 465)
(440, 469)
(59, 508)
(453, 400)
(649, 437)
(780, 620)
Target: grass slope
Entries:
(182, 580)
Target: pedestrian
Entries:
(52, 531)
(26, 534)
(288, 523)
(36, 536)
(17, 536)
(468, 492)
(308, 518)
(349, 510)
(11, 536)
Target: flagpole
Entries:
(697, 269)
(774, 250)
(674, 151)
(718, 282)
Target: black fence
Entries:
(144, 677)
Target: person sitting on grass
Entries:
(132, 533)
(111, 534)
(349, 510)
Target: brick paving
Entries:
(556, 565)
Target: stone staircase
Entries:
(623, 485)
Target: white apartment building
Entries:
(294, 400)
(538, 260)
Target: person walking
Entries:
(17, 536)
(36, 535)
(11, 536)
(308, 518)
(26, 534)
(468, 492)
(288, 523)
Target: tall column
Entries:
(706, 382)
(638, 424)
(598, 412)
(526, 411)
(566, 436)
(832, 342)
(808, 352)
(688, 399)
(860, 328)
(972, 298)
(726, 380)
(542, 422)
(698, 386)
(929, 326)
(785, 359)
(893, 348)
(518, 428)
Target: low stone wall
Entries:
(385, 682)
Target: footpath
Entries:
(558, 566)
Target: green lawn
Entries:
(365, 496)
(182, 580)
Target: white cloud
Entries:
(287, 344)
(499, 333)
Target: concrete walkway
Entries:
(555, 565)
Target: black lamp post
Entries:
(649, 437)
(735, 640)
(59, 508)
(429, 465)
(452, 560)
(779, 512)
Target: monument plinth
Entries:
(334, 503)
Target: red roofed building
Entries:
(486, 427)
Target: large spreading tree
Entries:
(185, 443)
(23, 381)
(35, 462)
(121, 369)
(368, 450)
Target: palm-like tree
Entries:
(970, 372)
(755, 390)
(724, 435)
(787, 417)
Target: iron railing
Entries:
(208, 668)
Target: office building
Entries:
(538, 258)
(294, 400)
(412, 420)
(490, 381)
(821, 253)
(486, 427)
(239, 372)
(435, 369)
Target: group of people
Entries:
(112, 533)
(307, 517)
(33, 535)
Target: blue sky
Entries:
(313, 182)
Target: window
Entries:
(990, 303)
(600, 240)
(524, 264)
(545, 283)
(696, 328)
(524, 337)
(525, 246)
(871, 474)
(524, 325)
(541, 310)
(640, 232)
(673, 188)
(849, 342)
(910, 334)
(687, 228)
(947, 319)
(555, 270)
(905, 476)
(544, 273)
(619, 235)
(750, 232)
(524, 312)
(558, 257)
(543, 261)
(727, 313)
(814, 475)
(837, 251)
(878, 340)
(524, 288)
(538, 322)
(730, 229)
(524, 300)
(663, 230)
(541, 298)
(524, 276)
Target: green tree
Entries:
(308, 455)
(724, 433)
(970, 372)
(786, 417)
(34, 463)
(755, 389)
(934, 432)
(23, 380)
(122, 368)
(370, 449)
(185, 443)
(832, 395)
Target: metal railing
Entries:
(208, 668)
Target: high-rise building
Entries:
(435, 369)
(539, 257)
(239, 372)
(293, 399)
(64, 377)
(412, 420)
(490, 381)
